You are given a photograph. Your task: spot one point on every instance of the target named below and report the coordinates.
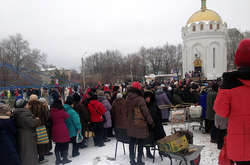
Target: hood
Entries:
(236, 78)
(245, 82)
(132, 96)
(159, 92)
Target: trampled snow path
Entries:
(99, 156)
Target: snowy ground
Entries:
(98, 156)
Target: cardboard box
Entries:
(173, 143)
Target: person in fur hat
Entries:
(138, 118)
(232, 102)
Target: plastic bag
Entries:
(79, 138)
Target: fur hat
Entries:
(119, 95)
(4, 108)
(100, 93)
(242, 57)
(43, 100)
(33, 98)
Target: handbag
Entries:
(139, 119)
(42, 135)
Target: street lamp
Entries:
(83, 70)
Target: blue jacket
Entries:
(203, 103)
(73, 123)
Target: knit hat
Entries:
(20, 103)
(136, 85)
(242, 57)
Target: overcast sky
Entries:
(65, 29)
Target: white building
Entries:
(205, 49)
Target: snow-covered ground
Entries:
(99, 156)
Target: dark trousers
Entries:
(61, 149)
(105, 134)
(212, 129)
(75, 148)
(132, 143)
(99, 133)
(220, 135)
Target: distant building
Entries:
(205, 49)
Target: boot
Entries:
(65, 157)
(58, 158)
(149, 155)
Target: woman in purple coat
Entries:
(60, 134)
(108, 123)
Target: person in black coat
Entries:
(8, 151)
(156, 132)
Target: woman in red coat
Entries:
(96, 111)
(233, 102)
(60, 134)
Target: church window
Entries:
(194, 28)
(202, 27)
(218, 26)
(213, 57)
(211, 26)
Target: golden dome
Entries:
(204, 15)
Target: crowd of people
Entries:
(134, 107)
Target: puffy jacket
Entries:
(96, 110)
(107, 114)
(232, 102)
(60, 133)
(73, 123)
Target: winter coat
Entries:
(162, 98)
(211, 96)
(96, 110)
(232, 102)
(107, 114)
(158, 131)
(41, 111)
(203, 103)
(8, 149)
(119, 114)
(135, 99)
(83, 114)
(26, 136)
(220, 122)
(60, 133)
(73, 123)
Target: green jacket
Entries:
(73, 122)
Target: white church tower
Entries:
(205, 50)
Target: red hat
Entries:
(136, 85)
(242, 57)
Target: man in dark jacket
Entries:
(210, 113)
(84, 116)
(8, 149)
(139, 118)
